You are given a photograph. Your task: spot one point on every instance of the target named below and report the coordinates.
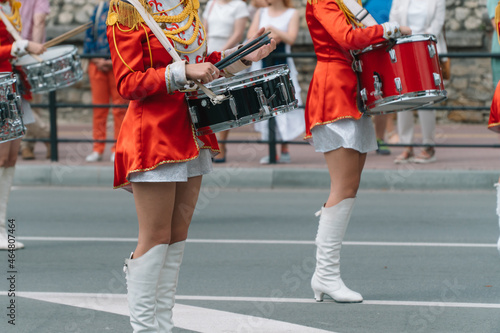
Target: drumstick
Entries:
(67, 35)
(13, 32)
(221, 64)
(241, 55)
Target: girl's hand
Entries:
(205, 72)
(263, 51)
(35, 48)
(405, 31)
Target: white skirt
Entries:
(346, 133)
(176, 172)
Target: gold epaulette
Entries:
(125, 14)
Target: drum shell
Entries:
(11, 121)
(242, 104)
(413, 61)
(61, 68)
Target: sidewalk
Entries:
(455, 168)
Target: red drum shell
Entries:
(414, 61)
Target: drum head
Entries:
(51, 53)
(222, 84)
(399, 40)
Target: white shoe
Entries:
(142, 276)
(112, 158)
(94, 157)
(265, 160)
(285, 158)
(331, 230)
(14, 245)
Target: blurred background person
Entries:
(495, 45)
(380, 10)
(283, 21)
(254, 5)
(33, 15)
(102, 83)
(423, 17)
(225, 22)
(9, 51)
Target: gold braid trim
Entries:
(350, 18)
(15, 17)
(127, 15)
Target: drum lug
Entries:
(364, 96)
(437, 79)
(377, 85)
(357, 66)
(281, 86)
(263, 101)
(399, 85)
(392, 54)
(432, 50)
(232, 105)
(192, 112)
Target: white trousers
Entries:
(427, 123)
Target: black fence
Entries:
(53, 105)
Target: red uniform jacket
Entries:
(157, 128)
(5, 49)
(333, 89)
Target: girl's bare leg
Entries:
(185, 202)
(345, 167)
(154, 203)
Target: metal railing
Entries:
(53, 105)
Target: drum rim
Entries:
(233, 84)
(11, 79)
(72, 50)
(399, 40)
(434, 92)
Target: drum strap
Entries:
(158, 32)
(360, 13)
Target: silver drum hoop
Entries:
(11, 121)
(399, 40)
(61, 67)
(405, 102)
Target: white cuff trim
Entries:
(175, 76)
(234, 67)
(19, 48)
(391, 30)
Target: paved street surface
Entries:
(424, 262)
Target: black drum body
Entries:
(247, 98)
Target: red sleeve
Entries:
(133, 80)
(214, 57)
(5, 52)
(333, 20)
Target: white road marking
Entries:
(259, 241)
(102, 302)
(207, 320)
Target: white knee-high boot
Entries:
(6, 178)
(497, 185)
(331, 230)
(142, 276)
(167, 286)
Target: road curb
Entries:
(405, 178)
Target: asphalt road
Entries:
(424, 262)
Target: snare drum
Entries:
(60, 68)
(399, 75)
(248, 98)
(11, 121)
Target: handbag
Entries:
(445, 64)
(445, 68)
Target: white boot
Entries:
(142, 276)
(167, 286)
(497, 185)
(331, 230)
(6, 178)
